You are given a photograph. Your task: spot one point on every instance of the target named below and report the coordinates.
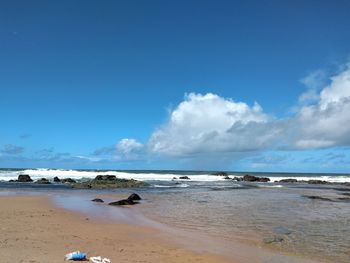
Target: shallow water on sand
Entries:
(276, 217)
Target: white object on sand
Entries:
(100, 260)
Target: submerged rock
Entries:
(134, 197)
(42, 181)
(251, 178)
(97, 200)
(282, 230)
(184, 178)
(315, 197)
(123, 202)
(24, 178)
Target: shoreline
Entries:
(151, 243)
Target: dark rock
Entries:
(97, 200)
(105, 177)
(220, 174)
(134, 197)
(288, 181)
(109, 184)
(123, 202)
(317, 182)
(12, 181)
(227, 178)
(42, 181)
(275, 239)
(184, 177)
(251, 178)
(315, 197)
(174, 178)
(23, 178)
(238, 179)
(68, 180)
(56, 179)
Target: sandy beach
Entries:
(33, 231)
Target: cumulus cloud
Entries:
(327, 123)
(208, 123)
(12, 149)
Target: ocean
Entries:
(306, 220)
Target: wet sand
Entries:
(33, 230)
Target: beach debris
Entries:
(97, 200)
(134, 197)
(56, 179)
(252, 178)
(75, 256)
(23, 178)
(99, 259)
(184, 178)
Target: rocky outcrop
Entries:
(251, 178)
(184, 178)
(289, 180)
(68, 180)
(317, 182)
(97, 200)
(108, 182)
(24, 178)
(56, 179)
(220, 174)
(42, 181)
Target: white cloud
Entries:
(128, 146)
(327, 123)
(209, 123)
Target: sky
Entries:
(204, 85)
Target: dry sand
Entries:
(33, 230)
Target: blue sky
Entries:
(237, 85)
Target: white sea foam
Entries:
(79, 174)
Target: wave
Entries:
(171, 186)
(35, 174)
